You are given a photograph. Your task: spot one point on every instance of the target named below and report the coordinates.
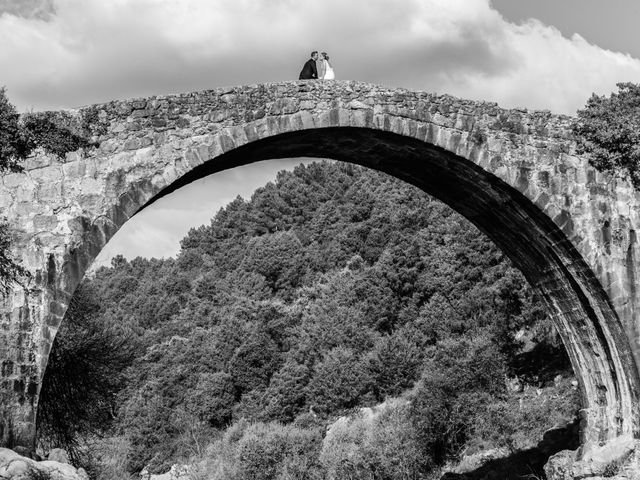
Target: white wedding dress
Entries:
(328, 72)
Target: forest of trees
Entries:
(332, 289)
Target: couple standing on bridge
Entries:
(317, 69)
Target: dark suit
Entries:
(309, 70)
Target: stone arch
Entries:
(495, 167)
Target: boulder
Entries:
(177, 472)
(616, 459)
(58, 455)
(26, 452)
(14, 466)
(469, 463)
(558, 467)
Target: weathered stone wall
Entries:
(514, 173)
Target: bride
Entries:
(327, 69)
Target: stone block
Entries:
(72, 170)
(45, 222)
(91, 186)
(361, 118)
(308, 120)
(24, 209)
(358, 105)
(132, 144)
(6, 200)
(220, 115)
(47, 175)
(13, 180)
(91, 202)
(37, 161)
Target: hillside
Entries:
(332, 289)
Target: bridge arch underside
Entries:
(591, 330)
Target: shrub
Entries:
(608, 131)
(393, 365)
(459, 380)
(339, 381)
(265, 451)
(107, 458)
(376, 443)
(286, 395)
(15, 143)
(10, 271)
(254, 361)
(84, 374)
(213, 398)
(55, 132)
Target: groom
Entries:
(310, 71)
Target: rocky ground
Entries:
(618, 460)
(14, 466)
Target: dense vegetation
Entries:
(333, 289)
(608, 131)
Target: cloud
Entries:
(90, 50)
(67, 53)
(554, 72)
(37, 9)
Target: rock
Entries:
(605, 460)
(25, 452)
(62, 471)
(616, 459)
(14, 466)
(514, 384)
(177, 472)
(469, 463)
(558, 467)
(356, 105)
(58, 455)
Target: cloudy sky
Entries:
(542, 54)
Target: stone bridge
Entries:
(513, 173)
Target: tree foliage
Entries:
(55, 132)
(15, 146)
(10, 271)
(380, 443)
(332, 289)
(15, 142)
(608, 130)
